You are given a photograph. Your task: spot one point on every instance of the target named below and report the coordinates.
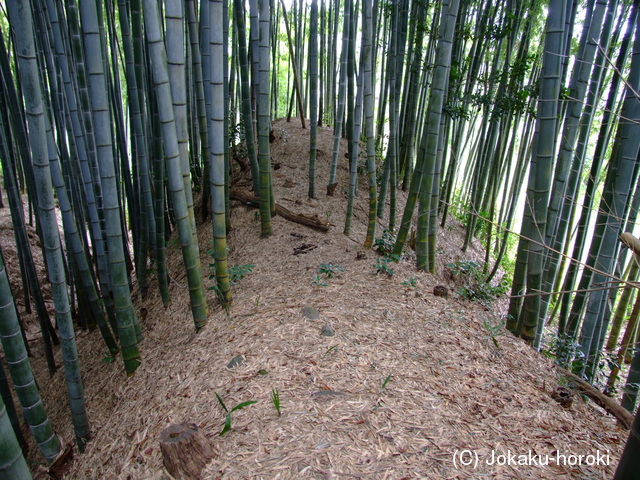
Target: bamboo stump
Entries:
(185, 451)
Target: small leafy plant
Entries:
(221, 298)
(238, 272)
(275, 398)
(329, 269)
(565, 351)
(386, 381)
(463, 267)
(476, 287)
(412, 282)
(384, 244)
(174, 242)
(317, 282)
(227, 422)
(328, 214)
(494, 329)
(383, 264)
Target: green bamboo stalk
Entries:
(263, 108)
(542, 162)
(159, 172)
(247, 116)
(217, 178)
(12, 463)
(125, 315)
(173, 164)
(426, 163)
(367, 29)
(77, 247)
(313, 97)
(20, 369)
(22, 23)
(625, 345)
(82, 123)
(342, 93)
(174, 20)
(22, 241)
(140, 152)
(623, 304)
(619, 182)
(198, 81)
(7, 398)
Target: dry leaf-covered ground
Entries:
(409, 385)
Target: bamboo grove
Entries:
(519, 118)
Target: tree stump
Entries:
(441, 291)
(185, 451)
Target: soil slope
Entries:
(406, 381)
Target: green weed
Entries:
(221, 298)
(383, 264)
(384, 244)
(329, 269)
(328, 215)
(317, 282)
(386, 381)
(173, 242)
(331, 349)
(275, 398)
(412, 282)
(494, 329)
(475, 286)
(564, 351)
(238, 272)
(227, 422)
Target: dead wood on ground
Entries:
(312, 221)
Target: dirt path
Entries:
(376, 379)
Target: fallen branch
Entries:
(609, 404)
(312, 221)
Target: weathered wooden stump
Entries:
(185, 451)
(441, 291)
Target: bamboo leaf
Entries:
(243, 404)
(222, 403)
(227, 423)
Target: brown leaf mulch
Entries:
(409, 386)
